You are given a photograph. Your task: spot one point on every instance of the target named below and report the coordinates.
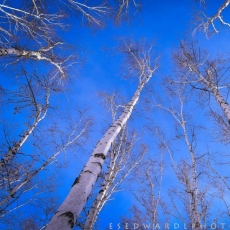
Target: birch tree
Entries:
(147, 180)
(140, 61)
(124, 8)
(204, 73)
(29, 147)
(46, 54)
(15, 185)
(220, 180)
(27, 96)
(40, 29)
(210, 21)
(121, 161)
(120, 166)
(195, 198)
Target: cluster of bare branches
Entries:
(124, 8)
(26, 153)
(191, 200)
(139, 59)
(203, 73)
(32, 19)
(74, 203)
(207, 22)
(149, 177)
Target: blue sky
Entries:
(166, 22)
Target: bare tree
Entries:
(124, 9)
(40, 30)
(15, 186)
(27, 96)
(140, 61)
(44, 54)
(203, 73)
(32, 19)
(120, 166)
(149, 177)
(207, 22)
(220, 180)
(194, 197)
(27, 153)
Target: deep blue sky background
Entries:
(164, 21)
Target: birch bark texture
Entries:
(119, 168)
(200, 70)
(189, 172)
(44, 54)
(68, 212)
(41, 112)
(207, 22)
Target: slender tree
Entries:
(66, 216)
(204, 73)
(25, 153)
(119, 168)
(207, 22)
(189, 171)
(148, 176)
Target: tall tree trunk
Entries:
(220, 100)
(102, 195)
(99, 201)
(17, 145)
(216, 93)
(40, 55)
(32, 174)
(72, 206)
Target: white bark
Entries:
(32, 174)
(17, 145)
(109, 185)
(70, 209)
(211, 20)
(37, 55)
(101, 198)
(216, 93)
(188, 178)
(220, 100)
(192, 189)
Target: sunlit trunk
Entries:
(17, 145)
(101, 197)
(222, 103)
(72, 206)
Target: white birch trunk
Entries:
(99, 202)
(191, 186)
(13, 151)
(222, 103)
(37, 55)
(109, 186)
(216, 93)
(102, 196)
(72, 206)
(43, 166)
(15, 148)
(195, 215)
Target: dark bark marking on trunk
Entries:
(70, 216)
(98, 164)
(101, 155)
(76, 181)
